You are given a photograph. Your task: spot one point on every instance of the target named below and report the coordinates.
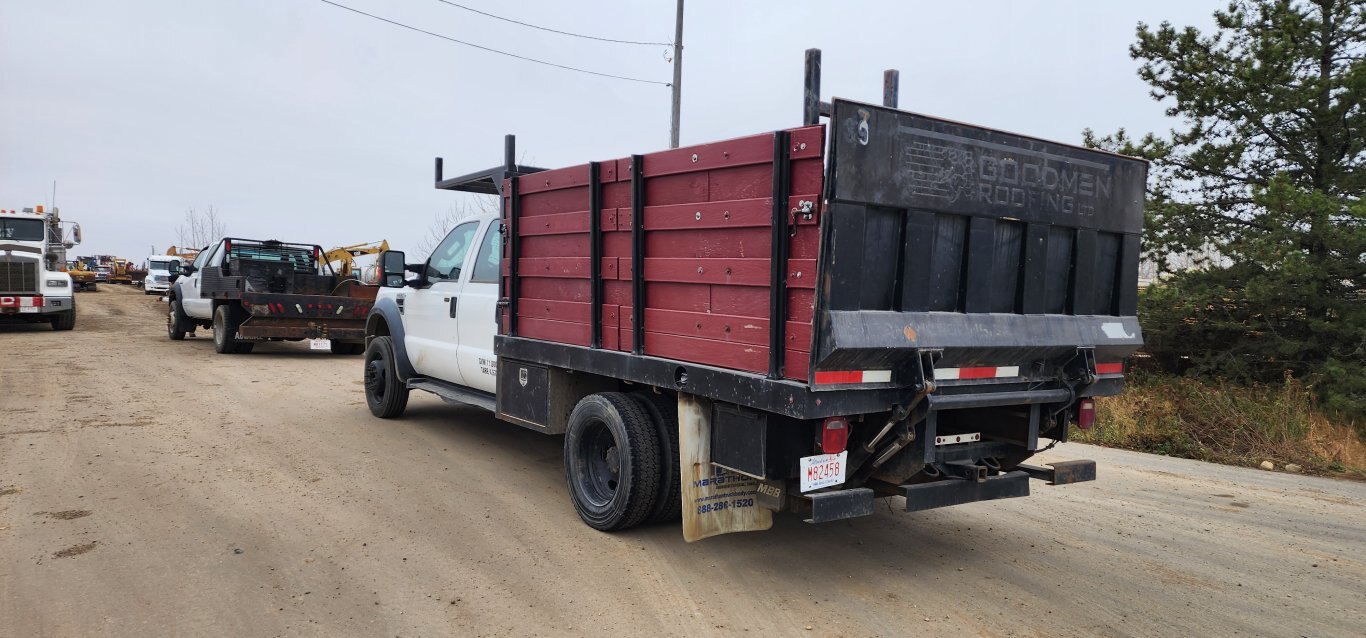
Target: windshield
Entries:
(21, 229)
(168, 265)
(102, 269)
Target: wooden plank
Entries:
(725, 214)
(745, 182)
(557, 310)
(737, 356)
(555, 289)
(798, 336)
(674, 296)
(556, 224)
(801, 273)
(750, 301)
(556, 201)
(752, 149)
(806, 244)
(704, 325)
(555, 245)
(798, 365)
(801, 304)
(738, 243)
(576, 267)
(732, 272)
(554, 179)
(617, 194)
(807, 142)
(557, 331)
(677, 189)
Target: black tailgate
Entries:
(994, 248)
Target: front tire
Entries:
(385, 393)
(65, 320)
(611, 461)
(175, 321)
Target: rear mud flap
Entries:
(715, 501)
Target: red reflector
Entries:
(1086, 413)
(834, 435)
(1109, 368)
(977, 373)
(842, 376)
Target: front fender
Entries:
(386, 310)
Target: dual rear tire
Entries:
(621, 461)
(226, 319)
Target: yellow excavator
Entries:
(343, 259)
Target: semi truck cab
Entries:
(34, 285)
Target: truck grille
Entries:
(18, 276)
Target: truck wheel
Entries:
(65, 320)
(385, 393)
(225, 331)
(663, 411)
(611, 461)
(175, 321)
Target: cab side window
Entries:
(490, 254)
(203, 257)
(449, 256)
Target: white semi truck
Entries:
(34, 285)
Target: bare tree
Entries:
(460, 211)
(200, 229)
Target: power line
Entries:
(533, 26)
(484, 48)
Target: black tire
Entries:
(347, 347)
(611, 461)
(663, 411)
(65, 320)
(245, 347)
(225, 324)
(175, 321)
(385, 393)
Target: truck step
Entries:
(1063, 472)
(926, 496)
(452, 392)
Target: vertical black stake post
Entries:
(777, 299)
(595, 253)
(811, 100)
(510, 153)
(891, 87)
(514, 280)
(638, 254)
(438, 170)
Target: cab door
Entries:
(477, 311)
(191, 300)
(429, 313)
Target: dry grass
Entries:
(1226, 423)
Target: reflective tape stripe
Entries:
(841, 377)
(989, 372)
(1110, 368)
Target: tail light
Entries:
(834, 435)
(1086, 413)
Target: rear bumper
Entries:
(841, 504)
(299, 328)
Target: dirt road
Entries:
(154, 488)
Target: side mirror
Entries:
(392, 268)
(186, 270)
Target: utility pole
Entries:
(678, 76)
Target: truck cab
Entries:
(34, 285)
(160, 270)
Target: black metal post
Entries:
(638, 254)
(811, 100)
(515, 218)
(438, 170)
(777, 300)
(510, 153)
(891, 87)
(595, 252)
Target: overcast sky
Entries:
(301, 121)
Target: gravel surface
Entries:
(154, 488)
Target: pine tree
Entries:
(1261, 190)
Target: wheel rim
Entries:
(376, 376)
(218, 329)
(600, 459)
